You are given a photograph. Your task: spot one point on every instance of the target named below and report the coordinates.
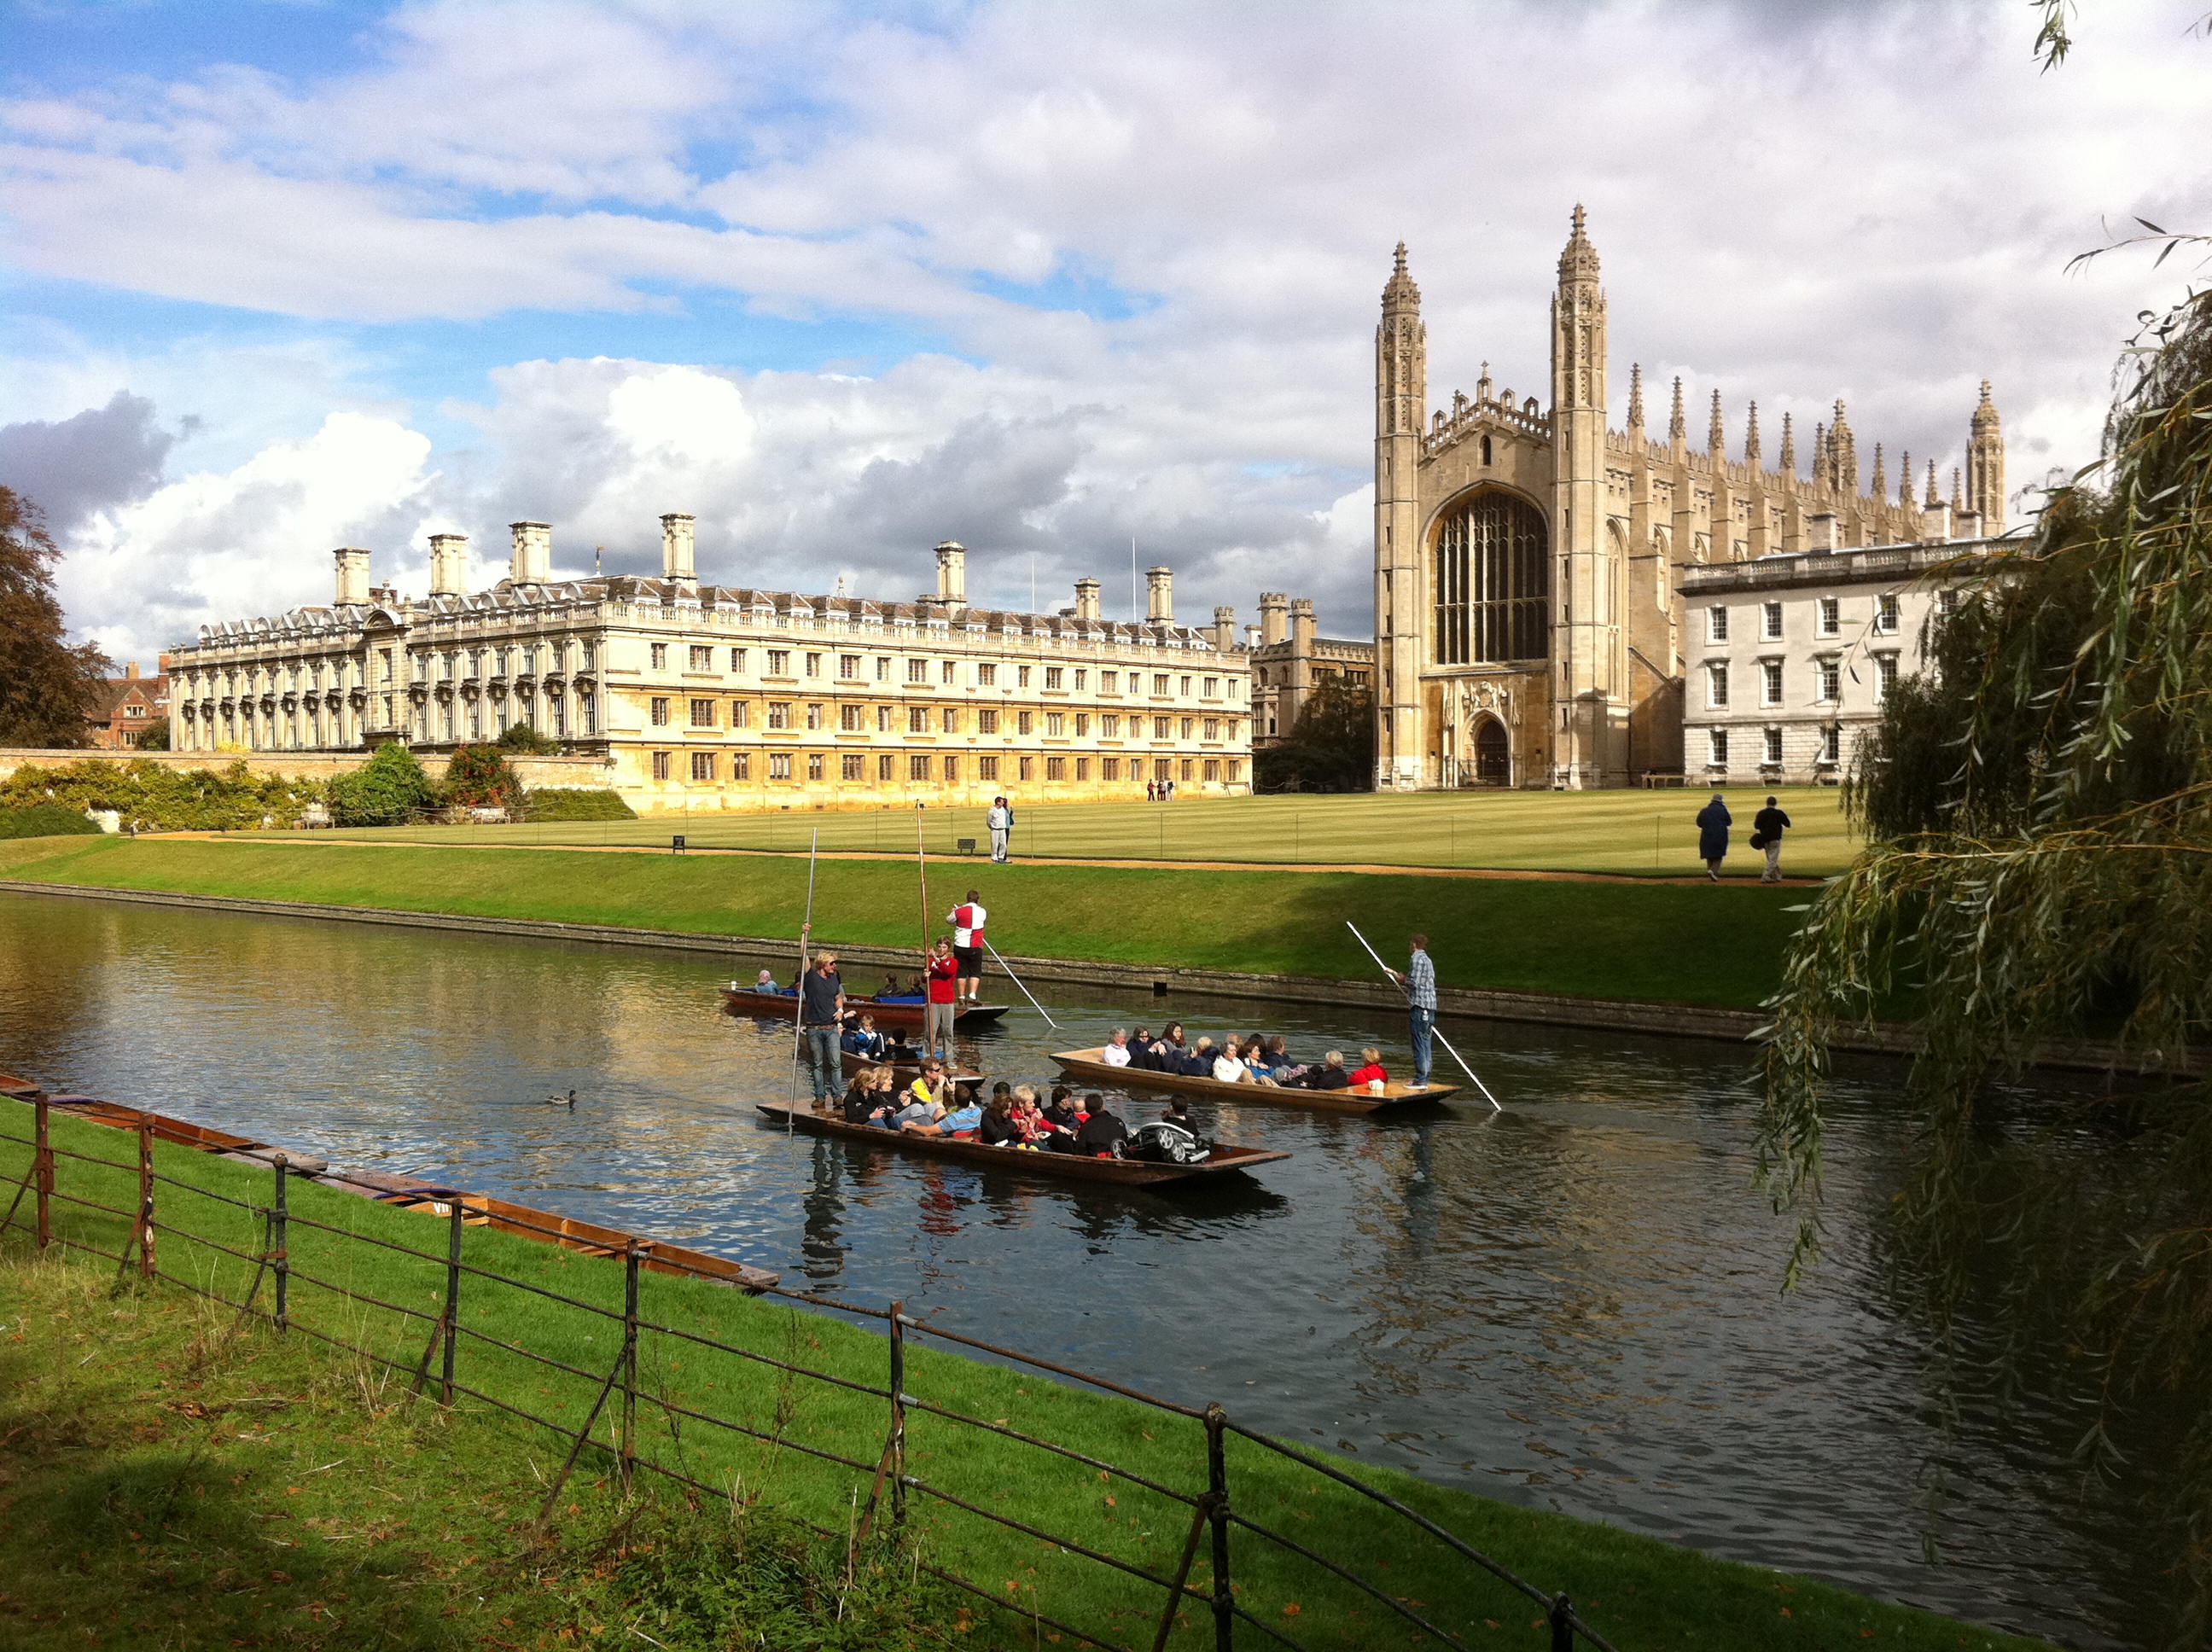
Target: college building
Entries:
(705, 696)
(1290, 659)
(1531, 559)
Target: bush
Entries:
(575, 803)
(478, 778)
(525, 741)
(390, 790)
(46, 820)
(153, 796)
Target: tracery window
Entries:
(1492, 591)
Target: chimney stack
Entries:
(678, 549)
(952, 574)
(1302, 625)
(1936, 522)
(532, 562)
(449, 564)
(1224, 628)
(1821, 531)
(1967, 525)
(131, 671)
(1159, 596)
(1086, 598)
(353, 574)
(1274, 617)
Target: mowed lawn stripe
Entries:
(1690, 944)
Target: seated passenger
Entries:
(1281, 1067)
(890, 988)
(960, 1121)
(868, 1098)
(898, 1052)
(1117, 1052)
(1178, 1113)
(1196, 1062)
(1371, 1069)
(1228, 1067)
(1101, 1132)
(1062, 1120)
(999, 1127)
(766, 982)
(1330, 1075)
(861, 1038)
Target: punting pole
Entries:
(921, 861)
(1017, 979)
(799, 1008)
(1391, 977)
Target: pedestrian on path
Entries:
(1419, 981)
(821, 1018)
(938, 1015)
(1000, 821)
(1713, 823)
(967, 920)
(1766, 829)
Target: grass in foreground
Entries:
(1642, 833)
(380, 1525)
(1690, 943)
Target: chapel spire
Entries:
(1751, 439)
(1905, 480)
(1578, 330)
(1788, 448)
(1677, 428)
(1636, 400)
(1402, 357)
(1985, 458)
(1715, 432)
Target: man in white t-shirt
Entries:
(1117, 1052)
(967, 920)
(1000, 821)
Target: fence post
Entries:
(1217, 1486)
(898, 1413)
(629, 1366)
(276, 1244)
(145, 1195)
(451, 1318)
(1561, 1612)
(42, 1172)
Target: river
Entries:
(1574, 1304)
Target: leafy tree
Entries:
(523, 740)
(44, 684)
(477, 777)
(155, 736)
(2040, 864)
(389, 790)
(1331, 747)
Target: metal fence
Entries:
(1210, 1519)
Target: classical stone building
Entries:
(1528, 555)
(706, 697)
(1290, 659)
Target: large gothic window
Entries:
(1493, 587)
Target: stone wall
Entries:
(536, 774)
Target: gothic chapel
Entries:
(1527, 628)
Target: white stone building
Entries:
(1790, 655)
(706, 697)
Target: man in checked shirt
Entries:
(1419, 981)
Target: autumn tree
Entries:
(44, 684)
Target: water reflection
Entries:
(1573, 1304)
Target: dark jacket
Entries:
(1768, 824)
(1099, 1133)
(1326, 1076)
(1713, 823)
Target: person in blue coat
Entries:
(1713, 823)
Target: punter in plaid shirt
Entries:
(1419, 982)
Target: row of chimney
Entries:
(531, 561)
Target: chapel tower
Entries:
(1589, 663)
(1985, 477)
(1401, 400)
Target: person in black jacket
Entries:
(1330, 1074)
(1101, 1133)
(1766, 829)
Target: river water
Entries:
(1573, 1304)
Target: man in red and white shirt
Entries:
(967, 920)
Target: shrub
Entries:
(153, 795)
(46, 820)
(523, 740)
(155, 736)
(390, 790)
(575, 803)
(478, 778)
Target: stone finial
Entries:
(1958, 491)
(1931, 499)
(1904, 479)
(1578, 261)
(1985, 414)
(1751, 455)
(1819, 453)
(1788, 448)
(1636, 399)
(1879, 485)
(1716, 432)
(1676, 430)
(1482, 386)
(1399, 292)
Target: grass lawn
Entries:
(1677, 943)
(1642, 833)
(125, 1521)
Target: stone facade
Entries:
(1791, 654)
(705, 696)
(1528, 559)
(1290, 659)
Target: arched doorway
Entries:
(1493, 755)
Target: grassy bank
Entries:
(122, 1531)
(1636, 833)
(1693, 944)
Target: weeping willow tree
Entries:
(2038, 811)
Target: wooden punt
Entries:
(21, 1090)
(1086, 1066)
(781, 1006)
(205, 1137)
(590, 1238)
(1224, 1161)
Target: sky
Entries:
(1048, 279)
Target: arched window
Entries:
(1492, 582)
(1486, 450)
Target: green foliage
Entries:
(389, 790)
(477, 777)
(46, 820)
(576, 803)
(1331, 748)
(520, 739)
(44, 684)
(155, 736)
(2042, 868)
(155, 796)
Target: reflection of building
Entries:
(703, 696)
(126, 707)
(1527, 624)
(1792, 654)
(1289, 661)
